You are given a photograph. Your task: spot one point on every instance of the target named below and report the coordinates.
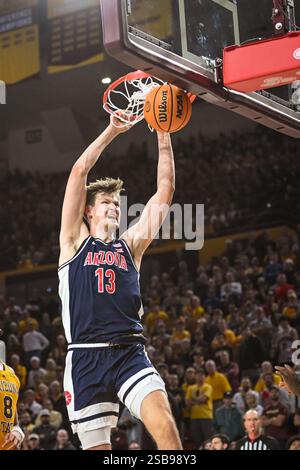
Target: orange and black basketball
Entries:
(167, 108)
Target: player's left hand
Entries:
(12, 441)
(119, 125)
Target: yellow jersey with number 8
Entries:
(9, 392)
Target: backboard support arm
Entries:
(283, 16)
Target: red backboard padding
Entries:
(264, 64)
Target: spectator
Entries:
(199, 401)
(20, 370)
(291, 307)
(251, 355)
(261, 327)
(282, 287)
(194, 308)
(266, 393)
(26, 422)
(180, 333)
(60, 350)
(220, 442)
(207, 445)
(27, 322)
(30, 403)
(131, 425)
(274, 419)
(230, 369)
(55, 416)
(219, 383)
(224, 337)
(240, 397)
(46, 328)
(34, 342)
(50, 372)
(13, 343)
(34, 442)
(45, 431)
(228, 419)
(266, 368)
(273, 269)
(293, 443)
(198, 360)
(174, 388)
(62, 441)
(155, 314)
(283, 339)
(231, 287)
(252, 403)
(58, 401)
(42, 392)
(35, 372)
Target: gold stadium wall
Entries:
(19, 40)
(74, 34)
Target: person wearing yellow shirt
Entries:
(26, 322)
(218, 382)
(179, 332)
(266, 368)
(189, 379)
(229, 335)
(291, 307)
(200, 403)
(155, 314)
(20, 371)
(194, 309)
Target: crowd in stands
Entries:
(214, 335)
(243, 180)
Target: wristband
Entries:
(20, 431)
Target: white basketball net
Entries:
(134, 112)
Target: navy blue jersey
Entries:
(100, 293)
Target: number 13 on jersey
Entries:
(106, 280)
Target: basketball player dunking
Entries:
(101, 304)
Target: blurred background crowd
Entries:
(244, 181)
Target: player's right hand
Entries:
(12, 441)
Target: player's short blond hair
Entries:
(106, 185)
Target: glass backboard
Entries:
(182, 41)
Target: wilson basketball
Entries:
(167, 108)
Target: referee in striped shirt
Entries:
(254, 439)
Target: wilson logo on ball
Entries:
(163, 107)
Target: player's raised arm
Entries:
(141, 234)
(73, 231)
